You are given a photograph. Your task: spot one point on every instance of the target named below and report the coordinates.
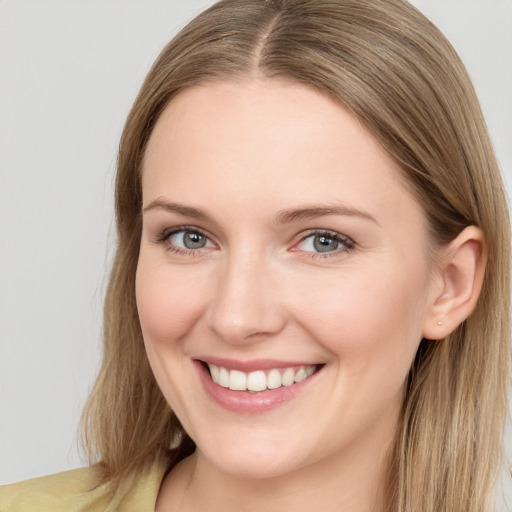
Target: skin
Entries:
(244, 152)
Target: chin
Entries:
(250, 459)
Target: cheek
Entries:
(367, 321)
(169, 302)
(371, 329)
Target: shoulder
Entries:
(80, 490)
(61, 491)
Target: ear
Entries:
(457, 283)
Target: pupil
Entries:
(194, 240)
(324, 243)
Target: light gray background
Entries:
(69, 71)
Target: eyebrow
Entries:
(286, 216)
(311, 212)
(186, 211)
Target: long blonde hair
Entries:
(398, 74)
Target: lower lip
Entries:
(247, 402)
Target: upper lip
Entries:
(254, 364)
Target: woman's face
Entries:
(279, 245)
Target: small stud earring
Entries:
(439, 322)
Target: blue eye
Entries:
(325, 242)
(189, 240)
(185, 239)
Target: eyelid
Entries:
(167, 232)
(347, 243)
(164, 236)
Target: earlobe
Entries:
(460, 278)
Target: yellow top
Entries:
(78, 490)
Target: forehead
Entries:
(269, 143)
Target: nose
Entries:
(246, 306)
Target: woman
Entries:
(309, 304)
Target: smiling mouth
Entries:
(259, 380)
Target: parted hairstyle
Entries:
(393, 69)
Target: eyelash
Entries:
(347, 243)
(166, 234)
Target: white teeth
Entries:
(288, 377)
(223, 378)
(214, 370)
(273, 379)
(300, 375)
(237, 380)
(259, 380)
(256, 381)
